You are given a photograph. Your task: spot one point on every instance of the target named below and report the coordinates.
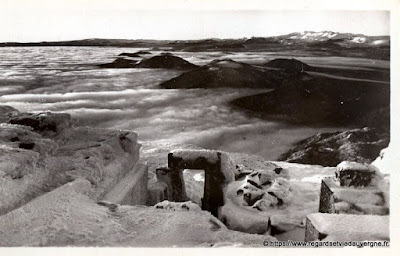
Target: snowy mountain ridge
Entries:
(323, 36)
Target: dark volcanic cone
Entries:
(224, 73)
(166, 61)
(119, 63)
(134, 55)
(289, 65)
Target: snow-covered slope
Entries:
(324, 36)
(310, 35)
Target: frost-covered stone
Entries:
(266, 202)
(178, 206)
(264, 188)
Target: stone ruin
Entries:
(353, 190)
(218, 173)
(352, 201)
(356, 197)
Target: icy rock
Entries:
(281, 189)
(266, 202)
(263, 189)
(178, 206)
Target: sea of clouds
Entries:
(64, 79)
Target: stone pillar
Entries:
(173, 178)
(213, 187)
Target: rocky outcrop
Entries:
(329, 149)
(224, 73)
(67, 216)
(40, 152)
(120, 63)
(167, 61)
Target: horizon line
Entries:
(192, 39)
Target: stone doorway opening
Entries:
(194, 185)
(216, 176)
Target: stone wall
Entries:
(43, 151)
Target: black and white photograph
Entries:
(196, 124)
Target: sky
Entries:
(44, 20)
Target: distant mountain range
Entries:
(306, 36)
(324, 42)
(326, 37)
(312, 36)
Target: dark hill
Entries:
(166, 61)
(305, 99)
(134, 55)
(128, 54)
(224, 73)
(120, 63)
(289, 65)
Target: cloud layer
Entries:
(66, 80)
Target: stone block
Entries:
(346, 227)
(354, 174)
